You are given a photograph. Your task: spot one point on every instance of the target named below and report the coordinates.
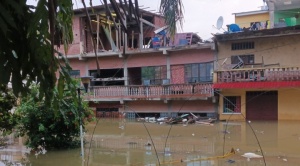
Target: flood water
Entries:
(122, 142)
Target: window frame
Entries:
(246, 59)
(198, 72)
(243, 45)
(156, 78)
(231, 103)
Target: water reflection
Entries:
(120, 142)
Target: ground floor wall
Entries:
(133, 109)
(173, 108)
(288, 104)
(222, 98)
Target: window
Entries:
(198, 72)
(154, 75)
(242, 46)
(232, 104)
(247, 59)
(75, 73)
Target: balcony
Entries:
(152, 92)
(258, 77)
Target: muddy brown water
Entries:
(122, 142)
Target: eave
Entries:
(285, 31)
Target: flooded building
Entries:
(258, 72)
(143, 72)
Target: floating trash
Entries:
(251, 155)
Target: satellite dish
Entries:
(220, 22)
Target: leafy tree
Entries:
(52, 128)
(7, 118)
(27, 40)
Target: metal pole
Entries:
(81, 136)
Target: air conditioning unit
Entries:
(146, 82)
(166, 81)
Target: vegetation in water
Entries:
(52, 128)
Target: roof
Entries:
(257, 85)
(284, 31)
(250, 13)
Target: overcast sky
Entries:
(199, 15)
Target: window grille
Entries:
(232, 104)
(242, 46)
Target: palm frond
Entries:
(172, 10)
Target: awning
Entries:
(256, 85)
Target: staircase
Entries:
(239, 64)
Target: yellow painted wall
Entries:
(235, 116)
(289, 104)
(284, 50)
(244, 21)
(279, 49)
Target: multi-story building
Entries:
(257, 75)
(142, 74)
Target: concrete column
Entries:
(271, 7)
(141, 37)
(168, 67)
(86, 69)
(125, 71)
(125, 37)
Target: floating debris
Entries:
(226, 132)
(251, 155)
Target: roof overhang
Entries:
(285, 31)
(257, 85)
(251, 13)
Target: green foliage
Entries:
(7, 119)
(172, 11)
(54, 128)
(26, 44)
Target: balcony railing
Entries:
(160, 92)
(259, 74)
